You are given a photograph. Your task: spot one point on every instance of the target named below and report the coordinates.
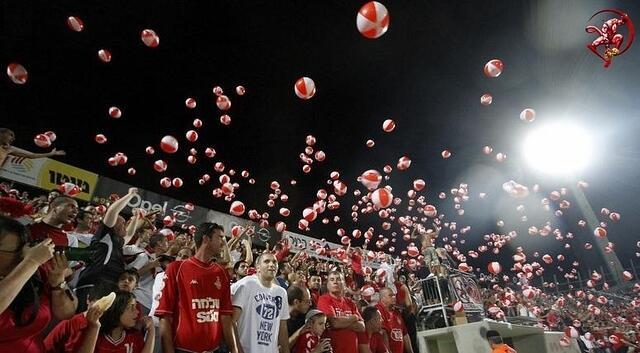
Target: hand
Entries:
(147, 323)
(323, 346)
(133, 191)
(54, 152)
(93, 316)
(59, 269)
(39, 253)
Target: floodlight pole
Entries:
(610, 258)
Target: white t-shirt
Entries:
(158, 284)
(262, 310)
(235, 257)
(82, 239)
(144, 289)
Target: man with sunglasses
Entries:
(195, 302)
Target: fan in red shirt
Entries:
(195, 303)
(315, 282)
(65, 337)
(393, 324)
(344, 320)
(371, 340)
(62, 211)
(117, 332)
(33, 297)
(310, 340)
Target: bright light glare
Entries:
(560, 149)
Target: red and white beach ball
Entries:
(430, 211)
(371, 179)
(223, 102)
(42, 140)
(52, 135)
(614, 216)
(373, 20)
(305, 88)
(17, 73)
(190, 103)
(281, 226)
(339, 188)
(236, 230)
(494, 268)
(413, 251)
(529, 293)
(104, 55)
(69, 189)
(309, 214)
(493, 68)
(388, 125)
(115, 112)
(160, 166)
(600, 232)
(225, 119)
(169, 144)
(237, 208)
(486, 99)
(571, 332)
(382, 198)
(192, 136)
(528, 115)
(75, 24)
(177, 182)
(403, 163)
(100, 139)
(165, 183)
(150, 38)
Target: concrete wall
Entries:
(470, 338)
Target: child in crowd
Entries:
(311, 341)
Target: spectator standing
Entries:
(299, 301)
(343, 316)
(395, 331)
(195, 304)
(261, 309)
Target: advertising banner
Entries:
(149, 201)
(262, 235)
(54, 173)
(22, 170)
(465, 289)
(48, 174)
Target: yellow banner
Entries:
(54, 173)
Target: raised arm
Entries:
(111, 216)
(248, 257)
(18, 152)
(33, 257)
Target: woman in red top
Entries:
(116, 332)
(29, 297)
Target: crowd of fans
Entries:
(203, 290)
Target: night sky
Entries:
(425, 73)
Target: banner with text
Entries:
(48, 174)
(149, 201)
